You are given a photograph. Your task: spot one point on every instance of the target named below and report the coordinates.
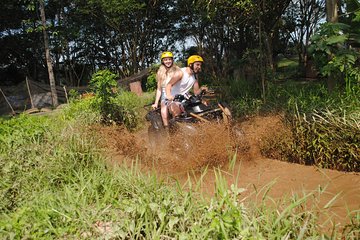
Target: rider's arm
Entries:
(177, 77)
(157, 98)
(196, 87)
(158, 95)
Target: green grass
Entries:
(55, 184)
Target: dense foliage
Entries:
(128, 36)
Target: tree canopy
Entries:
(128, 36)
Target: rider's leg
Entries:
(164, 114)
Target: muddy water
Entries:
(191, 150)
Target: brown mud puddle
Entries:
(211, 146)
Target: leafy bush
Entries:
(73, 94)
(287, 97)
(245, 106)
(328, 140)
(83, 110)
(114, 105)
(151, 82)
(104, 86)
(285, 68)
(18, 131)
(315, 134)
(331, 51)
(129, 104)
(292, 96)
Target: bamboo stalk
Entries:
(28, 87)
(66, 95)
(12, 110)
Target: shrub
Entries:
(151, 83)
(82, 110)
(104, 85)
(241, 96)
(325, 139)
(332, 51)
(114, 105)
(129, 104)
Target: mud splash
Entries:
(211, 145)
(194, 147)
(188, 148)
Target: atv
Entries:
(185, 112)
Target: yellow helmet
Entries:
(166, 55)
(194, 58)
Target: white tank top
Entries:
(184, 85)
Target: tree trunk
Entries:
(332, 17)
(332, 11)
(48, 57)
(262, 65)
(269, 50)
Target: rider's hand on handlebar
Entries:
(170, 98)
(204, 89)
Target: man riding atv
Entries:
(182, 82)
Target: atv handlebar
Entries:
(202, 92)
(149, 107)
(179, 97)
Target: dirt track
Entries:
(215, 147)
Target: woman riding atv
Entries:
(163, 76)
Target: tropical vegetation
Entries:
(297, 59)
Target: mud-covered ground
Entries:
(192, 150)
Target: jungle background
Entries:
(238, 39)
